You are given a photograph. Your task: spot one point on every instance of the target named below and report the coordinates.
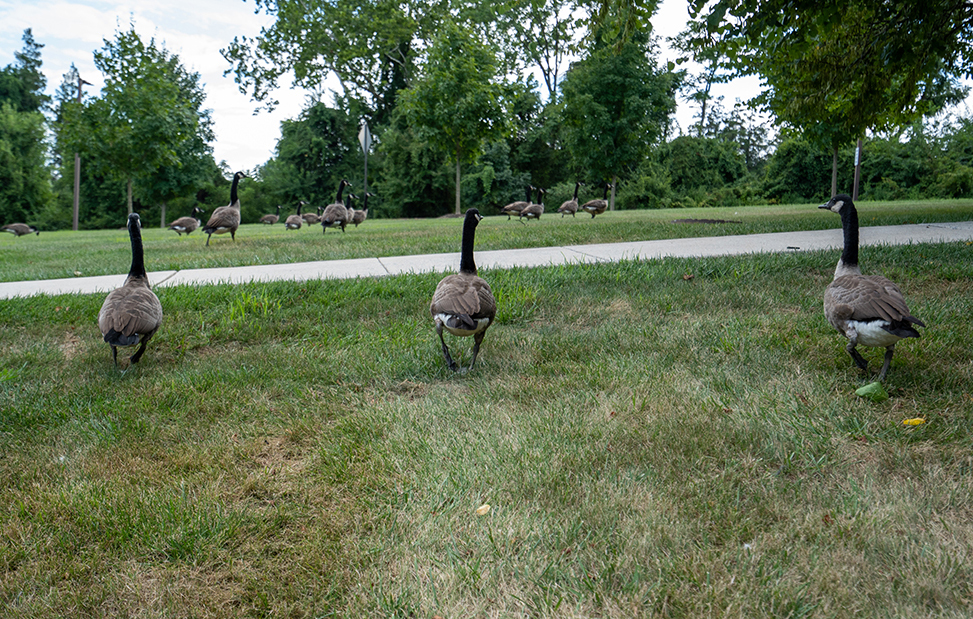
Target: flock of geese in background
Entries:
(868, 310)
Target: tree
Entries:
(149, 117)
(615, 106)
(455, 105)
(368, 44)
(837, 68)
(541, 32)
(25, 187)
(22, 85)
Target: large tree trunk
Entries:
(130, 196)
(163, 224)
(457, 185)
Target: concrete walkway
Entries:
(509, 258)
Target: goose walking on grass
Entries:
(514, 208)
(294, 222)
(226, 218)
(187, 224)
(312, 218)
(358, 216)
(271, 218)
(463, 303)
(867, 309)
(570, 207)
(534, 210)
(132, 313)
(20, 229)
(336, 213)
(597, 207)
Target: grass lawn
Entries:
(672, 438)
(66, 254)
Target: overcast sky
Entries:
(194, 30)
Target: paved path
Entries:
(509, 258)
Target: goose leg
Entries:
(207, 239)
(888, 361)
(476, 346)
(859, 360)
(138, 354)
(446, 355)
(114, 355)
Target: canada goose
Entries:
(535, 210)
(463, 303)
(336, 213)
(312, 218)
(226, 218)
(867, 309)
(597, 207)
(271, 219)
(514, 208)
(571, 206)
(20, 229)
(132, 313)
(358, 216)
(187, 224)
(294, 222)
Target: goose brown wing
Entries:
(455, 294)
(870, 298)
(464, 294)
(130, 311)
(224, 217)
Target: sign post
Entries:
(365, 139)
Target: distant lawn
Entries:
(64, 254)
(670, 438)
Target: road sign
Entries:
(365, 138)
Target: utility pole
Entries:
(77, 168)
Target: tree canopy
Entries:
(455, 103)
(836, 68)
(615, 106)
(149, 118)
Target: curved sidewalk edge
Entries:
(509, 258)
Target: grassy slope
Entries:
(667, 438)
(63, 254)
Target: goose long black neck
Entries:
(466, 264)
(576, 187)
(341, 188)
(849, 227)
(138, 259)
(233, 189)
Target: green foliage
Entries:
(314, 153)
(836, 69)
(25, 187)
(701, 164)
(798, 172)
(615, 106)
(369, 45)
(22, 84)
(148, 119)
(456, 106)
(416, 181)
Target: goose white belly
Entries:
(872, 334)
(446, 319)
